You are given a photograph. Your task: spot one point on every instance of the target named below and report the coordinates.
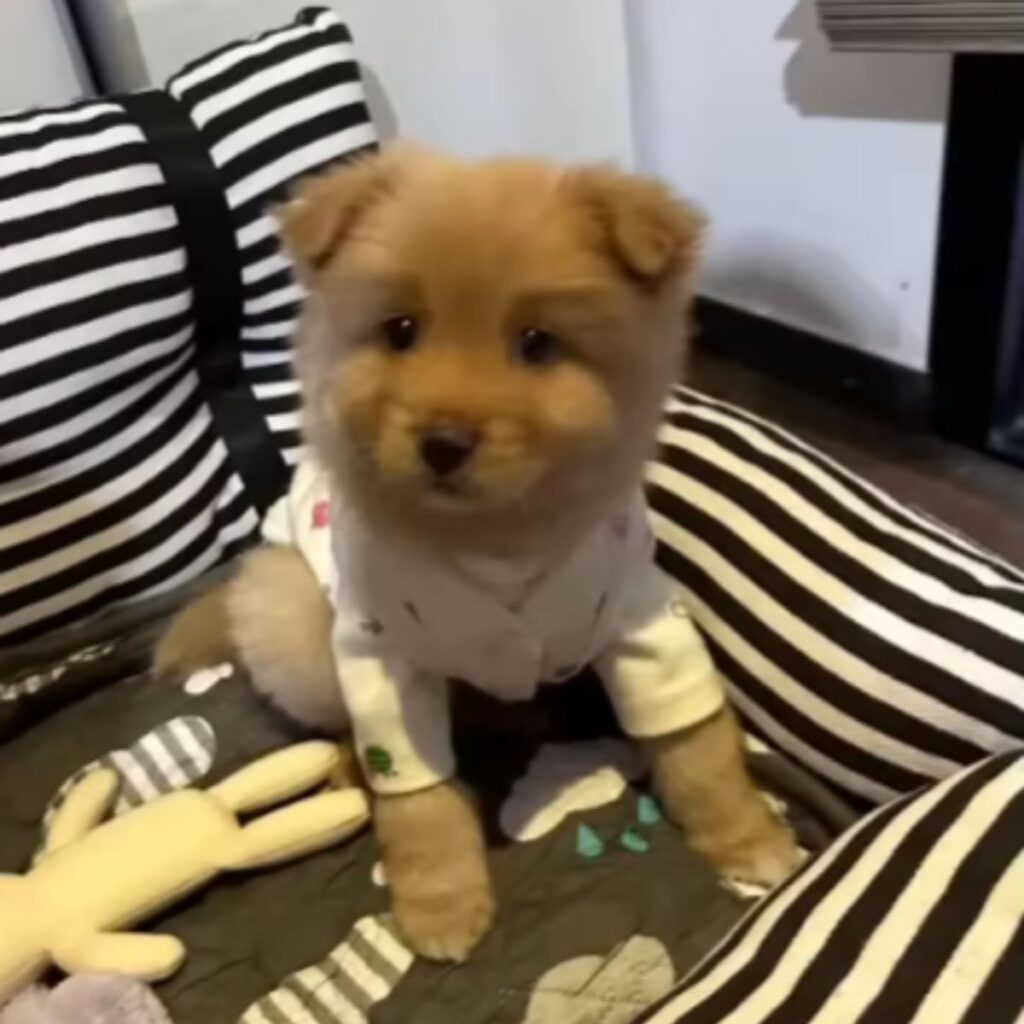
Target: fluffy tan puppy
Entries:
(485, 352)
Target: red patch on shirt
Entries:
(321, 515)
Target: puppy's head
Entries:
(487, 345)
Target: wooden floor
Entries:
(977, 495)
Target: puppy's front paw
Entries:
(436, 866)
(702, 777)
(764, 854)
(445, 926)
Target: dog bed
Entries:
(150, 416)
(604, 908)
(601, 900)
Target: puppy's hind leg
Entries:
(198, 637)
(281, 626)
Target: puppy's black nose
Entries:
(446, 449)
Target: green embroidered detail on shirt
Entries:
(379, 761)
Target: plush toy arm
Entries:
(149, 957)
(302, 828)
(84, 807)
(278, 777)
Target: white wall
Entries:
(39, 61)
(474, 76)
(821, 171)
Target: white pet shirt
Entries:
(407, 622)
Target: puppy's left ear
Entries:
(652, 234)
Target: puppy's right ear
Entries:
(324, 210)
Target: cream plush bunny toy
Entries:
(95, 878)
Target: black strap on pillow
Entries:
(214, 271)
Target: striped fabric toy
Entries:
(873, 645)
(342, 989)
(142, 316)
(914, 916)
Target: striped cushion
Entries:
(873, 645)
(913, 916)
(113, 480)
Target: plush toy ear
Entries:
(324, 209)
(654, 235)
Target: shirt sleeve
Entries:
(400, 717)
(657, 669)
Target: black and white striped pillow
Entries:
(876, 647)
(115, 480)
(913, 916)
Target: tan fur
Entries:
(702, 778)
(436, 866)
(200, 636)
(281, 622)
(476, 254)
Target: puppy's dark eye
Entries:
(400, 333)
(538, 348)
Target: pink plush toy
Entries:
(86, 999)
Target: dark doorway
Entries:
(977, 351)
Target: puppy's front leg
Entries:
(702, 778)
(436, 865)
